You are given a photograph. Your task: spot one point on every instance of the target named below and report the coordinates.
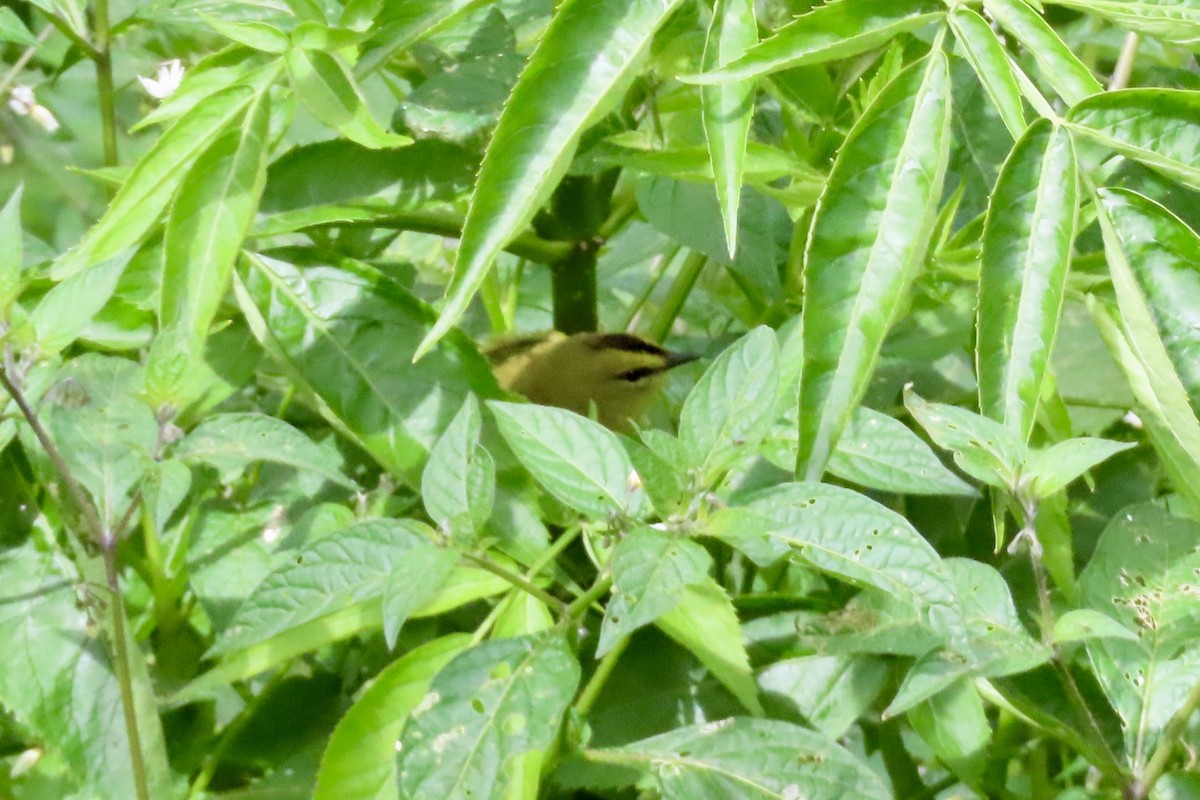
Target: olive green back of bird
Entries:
(619, 372)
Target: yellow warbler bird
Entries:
(619, 372)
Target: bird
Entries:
(617, 372)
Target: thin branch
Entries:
(1124, 67)
(516, 580)
(104, 82)
(11, 76)
(1172, 731)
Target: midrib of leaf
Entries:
(840, 378)
(1025, 301)
(792, 542)
(580, 471)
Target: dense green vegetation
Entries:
(922, 522)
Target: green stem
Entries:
(677, 295)
(104, 82)
(587, 698)
(573, 282)
(1124, 68)
(582, 603)
(516, 580)
(200, 784)
(11, 76)
(661, 264)
(1172, 732)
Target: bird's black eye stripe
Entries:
(627, 343)
(636, 374)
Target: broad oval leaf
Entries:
(831, 31)
(494, 702)
(1157, 127)
(343, 569)
(208, 221)
(727, 109)
(137, 205)
(751, 759)
(458, 485)
(1061, 68)
(983, 448)
(846, 534)
(732, 406)
(869, 235)
(359, 762)
(880, 452)
(230, 442)
(649, 570)
(1027, 241)
(576, 460)
(347, 333)
(583, 63)
(990, 62)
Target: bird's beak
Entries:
(675, 359)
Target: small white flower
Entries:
(24, 104)
(1132, 420)
(165, 81)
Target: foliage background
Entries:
(922, 523)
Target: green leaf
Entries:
(830, 692)
(58, 681)
(832, 31)
(750, 759)
(880, 452)
(346, 334)
(12, 29)
(955, 726)
(869, 235)
(1060, 67)
(208, 221)
(1081, 624)
(987, 57)
(582, 65)
(255, 35)
(988, 636)
(335, 572)
(412, 585)
(458, 485)
(402, 23)
(1027, 241)
(11, 282)
(1154, 126)
(360, 760)
(215, 72)
(576, 460)
(154, 179)
(846, 534)
(328, 90)
(1164, 254)
(1050, 470)
(731, 408)
(650, 570)
(493, 702)
(982, 448)
(65, 311)
(1161, 399)
(705, 622)
(728, 108)
(231, 442)
(1169, 20)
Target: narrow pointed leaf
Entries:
(727, 108)
(64, 311)
(869, 235)
(1061, 68)
(1055, 467)
(154, 179)
(405, 22)
(1027, 240)
(207, 223)
(1158, 127)
(987, 57)
(1169, 20)
(581, 67)
(328, 90)
(983, 448)
(11, 256)
(835, 30)
(458, 485)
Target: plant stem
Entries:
(23, 59)
(595, 684)
(658, 269)
(681, 287)
(573, 281)
(107, 542)
(1124, 67)
(1172, 731)
(516, 580)
(582, 603)
(104, 82)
